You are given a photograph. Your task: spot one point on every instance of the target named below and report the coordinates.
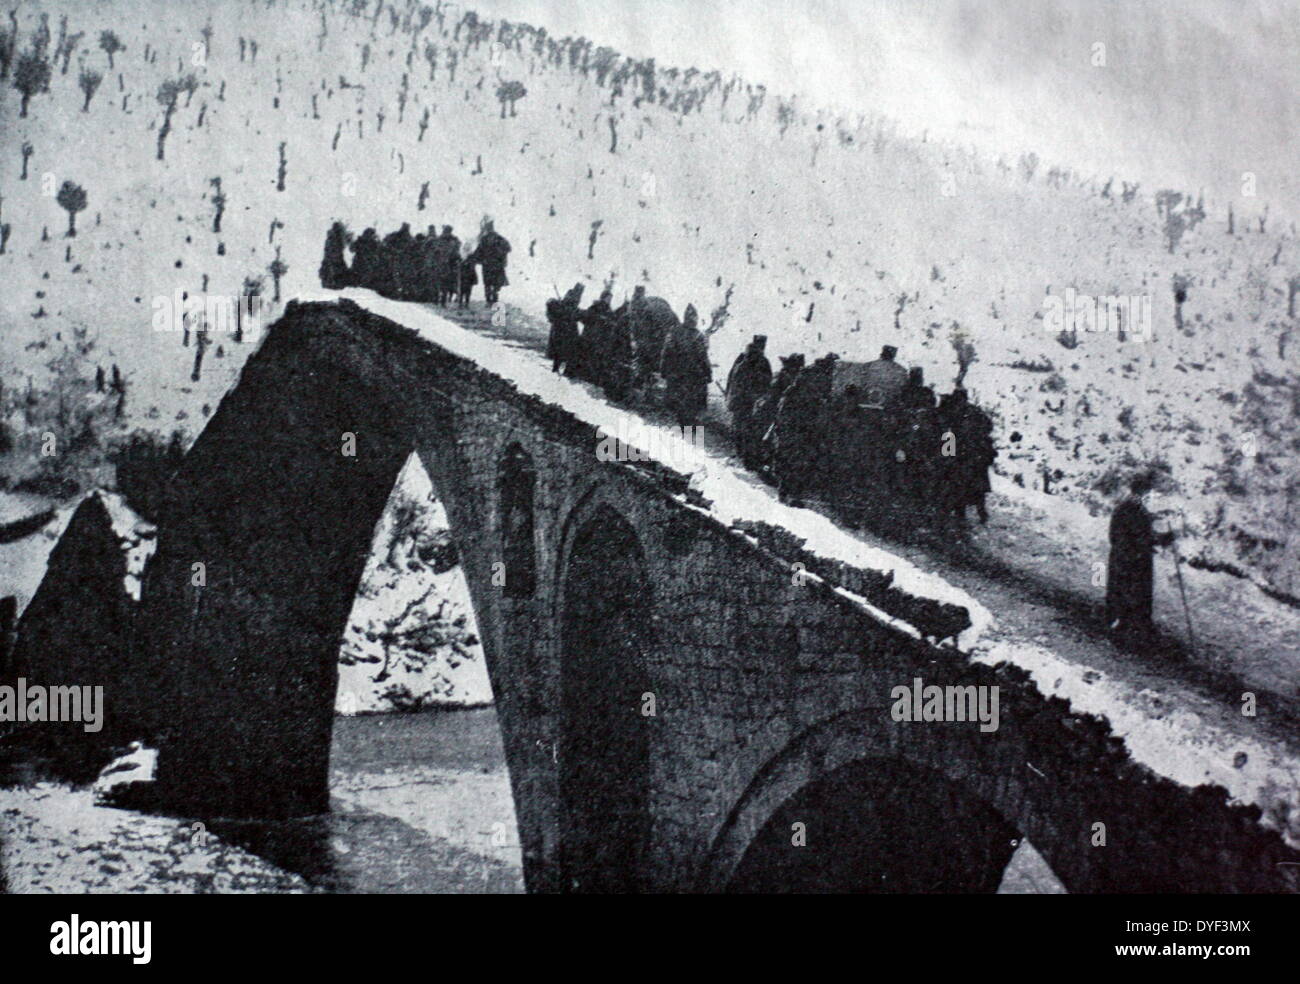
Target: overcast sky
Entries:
(1192, 93)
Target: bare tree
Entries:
(784, 115)
(72, 199)
(218, 202)
(8, 46)
(41, 39)
(1177, 220)
(109, 42)
(965, 350)
(1181, 284)
(249, 302)
(31, 75)
(201, 344)
(189, 84)
(66, 47)
(89, 81)
(277, 269)
(168, 93)
(509, 93)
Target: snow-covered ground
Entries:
(23, 562)
(55, 839)
(420, 803)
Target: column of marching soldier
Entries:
(883, 438)
(887, 430)
(871, 440)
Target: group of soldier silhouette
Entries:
(427, 266)
(639, 346)
(871, 437)
(871, 440)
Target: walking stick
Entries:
(1182, 588)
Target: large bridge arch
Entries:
(261, 547)
(241, 673)
(277, 503)
(878, 825)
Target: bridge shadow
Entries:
(360, 852)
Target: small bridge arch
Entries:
(872, 818)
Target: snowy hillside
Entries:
(825, 233)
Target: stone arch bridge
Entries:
(605, 590)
